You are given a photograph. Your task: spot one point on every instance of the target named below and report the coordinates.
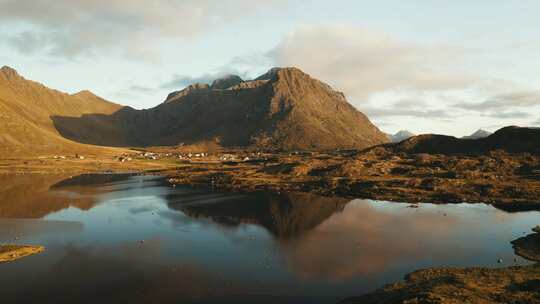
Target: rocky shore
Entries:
(460, 285)
(519, 284)
(10, 253)
(506, 180)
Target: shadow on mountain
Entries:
(285, 109)
(285, 215)
(227, 117)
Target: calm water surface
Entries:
(136, 239)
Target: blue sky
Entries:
(426, 66)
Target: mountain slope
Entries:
(283, 109)
(26, 108)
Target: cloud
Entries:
(180, 81)
(405, 107)
(71, 28)
(235, 67)
(509, 115)
(536, 123)
(362, 62)
(142, 89)
(510, 105)
(388, 112)
(525, 98)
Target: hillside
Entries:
(26, 108)
(282, 109)
(510, 139)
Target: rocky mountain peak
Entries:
(85, 93)
(192, 88)
(9, 73)
(226, 82)
(270, 74)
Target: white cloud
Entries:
(503, 101)
(362, 62)
(79, 27)
(417, 85)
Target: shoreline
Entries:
(507, 181)
(514, 284)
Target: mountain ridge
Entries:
(511, 139)
(286, 110)
(26, 108)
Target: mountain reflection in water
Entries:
(127, 238)
(284, 215)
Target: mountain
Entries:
(282, 109)
(400, 136)
(478, 134)
(510, 139)
(226, 82)
(26, 108)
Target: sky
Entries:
(427, 66)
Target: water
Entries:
(136, 239)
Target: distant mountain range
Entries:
(509, 139)
(282, 109)
(404, 134)
(400, 136)
(478, 134)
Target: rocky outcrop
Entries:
(10, 253)
(226, 82)
(528, 246)
(460, 285)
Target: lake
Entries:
(125, 238)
